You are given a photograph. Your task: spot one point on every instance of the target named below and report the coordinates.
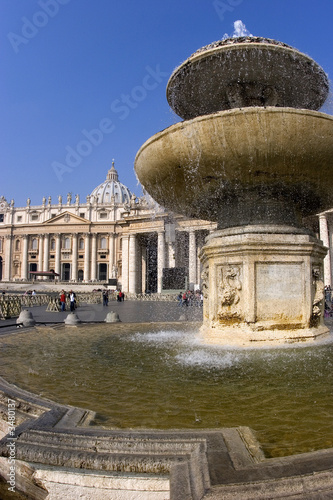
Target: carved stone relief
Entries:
(229, 292)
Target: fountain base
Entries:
(264, 285)
(242, 335)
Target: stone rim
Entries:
(191, 188)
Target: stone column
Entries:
(324, 236)
(74, 257)
(143, 269)
(40, 252)
(171, 255)
(198, 267)
(192, 258)
(8, 257)
(24, 274)
(160, 259)
(124, 273)
(46, 252)
(93, 257)
(111, 255)
(132, 264)
(86, 276)
(58, 254)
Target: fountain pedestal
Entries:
(262, 283)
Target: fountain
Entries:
(255, 155)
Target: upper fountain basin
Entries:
(203, 166)
(246, 71)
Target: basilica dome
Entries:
(111, 187)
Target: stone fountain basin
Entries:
(198, 167)
(214, 78)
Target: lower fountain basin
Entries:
(161, 376)
(269, 161)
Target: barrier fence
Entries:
(12, 304)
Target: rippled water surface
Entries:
(165, 378)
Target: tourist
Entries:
(179, 298)
(105, 297)
(190, 298)
(328, 293)
(63, 300)
(120, 296)
(71, 297)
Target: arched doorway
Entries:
(0, 268)
(102, 271)
(80, 275)
(66, 271)
(33, 268)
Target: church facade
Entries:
(112, 237)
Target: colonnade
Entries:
(101, 256)
(134, 259)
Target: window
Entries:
(103, 215)
(17, 245)
(67, 243)
(34, 217)
(82, 215)
(19, 218)
(81, 244)
(2, 217)
(53, 244)
(34, 244)
(103, 243)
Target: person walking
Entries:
(63, 300)
(72, 300)
(105, 297)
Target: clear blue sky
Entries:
(70, 67)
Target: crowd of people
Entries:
(118, 294)
(189, 298)
(185, 299)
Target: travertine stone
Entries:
(243, 166)
(262, 285)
